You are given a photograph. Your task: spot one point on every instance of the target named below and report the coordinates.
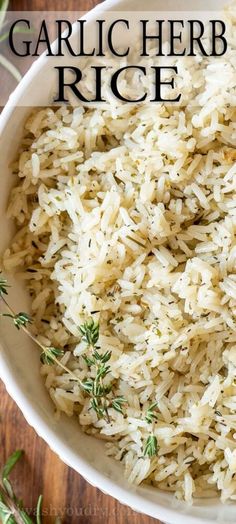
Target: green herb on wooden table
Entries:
(11, 507)
(3, 36)
(4, 33)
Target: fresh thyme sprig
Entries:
(151, 446)
(11, 508)
(97, 364)
(99, 392)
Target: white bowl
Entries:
(19, 361)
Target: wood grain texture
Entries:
(65, 493)
(53, 5)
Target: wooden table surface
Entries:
(65, 493)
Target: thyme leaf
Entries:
(90, 332)
(150, 415)
(39, 509)
(10, 464)
(20, 319)
(151, 447)
(3, 10)
(47, 356)
(117, 404)
(3, 286)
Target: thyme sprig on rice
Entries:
(100, 393)
(97, 362)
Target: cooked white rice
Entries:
(128, 214)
